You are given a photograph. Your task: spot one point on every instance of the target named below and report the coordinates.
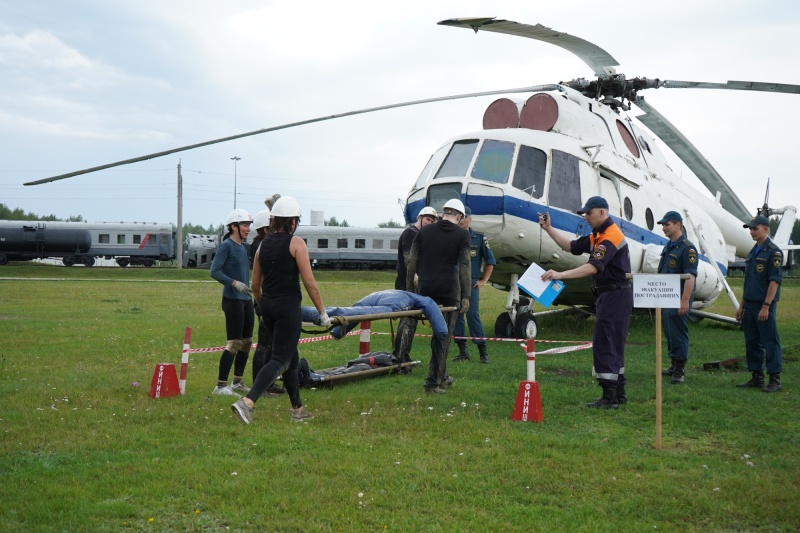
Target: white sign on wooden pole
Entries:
(657, 290)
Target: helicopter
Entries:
(566, 142)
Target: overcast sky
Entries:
(84, 83)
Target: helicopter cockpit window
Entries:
(530, 172)
(628, 208)
(457, 161)
(494, 161)
(565, 182)
(648, 215)
(433, 163)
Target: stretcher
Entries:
(381, 305)
(376, 306)
(368, 365)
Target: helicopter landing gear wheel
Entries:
(526, 326)
(503, 326)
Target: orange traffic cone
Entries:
(165, 381)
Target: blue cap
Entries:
(758, 220)
(467, 212)
(670, 217)
(595, 202)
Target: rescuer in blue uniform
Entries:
(609, 263)
(759, 307)
(480, 252)
(678, 257)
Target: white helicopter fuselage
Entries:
(572, 148)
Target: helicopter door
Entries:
(486, 201)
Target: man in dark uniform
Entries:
(480, 252)
(678, 257)
(407, 326)
(759, 307)
(609, 263)
(440, 258)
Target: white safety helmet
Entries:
(286, 206)
(237, 216)
(455, 204)
(428, 211)
(261, 220)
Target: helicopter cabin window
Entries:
(120, 239)
(628, 208)
(457, 161)
(530, 172)
(565, 182)
(630, 142)
(137, 239)
(322, 243)
(341, 243)
(648, 215)
(494, 161)
(361, 243)
(103, 238)
(377, 244)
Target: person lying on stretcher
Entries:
(382, 302)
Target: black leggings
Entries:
(282, 320)
(239, 318)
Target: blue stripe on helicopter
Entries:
(562, 220)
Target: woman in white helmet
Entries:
(231, 267)
(263, 351)
(280, 262)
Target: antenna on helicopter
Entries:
(765, 210)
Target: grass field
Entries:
(82, 449)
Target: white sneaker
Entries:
(240, 387)
(224, 391)
(244, 413)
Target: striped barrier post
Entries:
(363, 347)
(187, 337)
(528, 407)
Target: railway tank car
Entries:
(83, 242)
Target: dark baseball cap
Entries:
(757, 220)
(670, 217)
(595, 202)
(467, 211)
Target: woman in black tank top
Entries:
(281, 261)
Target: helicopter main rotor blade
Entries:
(598, 59)
(733, 85)
(692, 157)
(535, 88)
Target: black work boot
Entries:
(484, 353)
(621, 396)
(678, 374)
(774, 383)
(757, 381)
(463, 354)
(609, 399)
(670, 370)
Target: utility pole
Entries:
(179, 238)
(235, 160)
